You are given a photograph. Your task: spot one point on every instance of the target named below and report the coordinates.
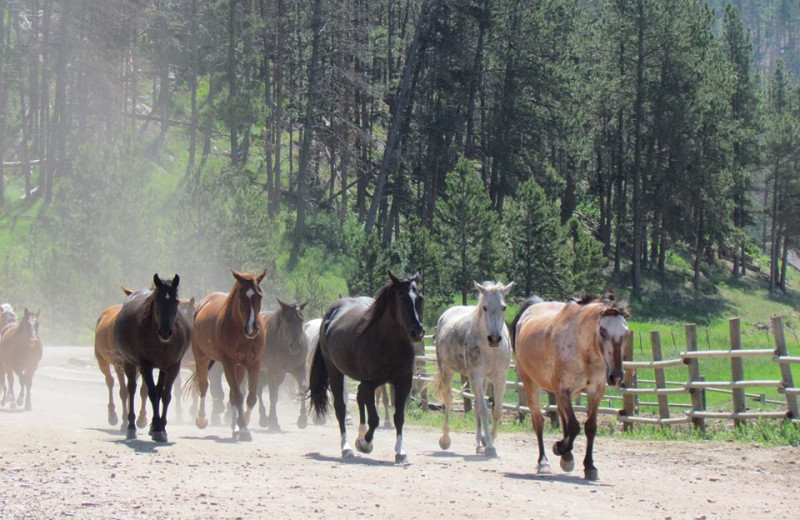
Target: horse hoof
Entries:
(567, 462)
(491, 452)
(201, 422)
(444, 443)
(141, 422)
(590, 474)
(245, 436)
(399, 458)
(348, 454)
(113, 419)
(302, 422)
(543, 469)
(159, 436)
(262, 421)
(363, 446)
(131, 434)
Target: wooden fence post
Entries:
(698, 399)
(786, 370)
(628, 401)
(661, 382)
(737, 369)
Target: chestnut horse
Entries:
(150, 333)
(371, 341)
(285, 352)
(229, 329)
(569, 348)
(20, 353)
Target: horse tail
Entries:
(533, 300)
(192, 386)
(438, 385)
(318, 383)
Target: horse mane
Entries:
(377, 308)
(611, 306)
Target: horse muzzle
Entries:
(165, 337)
(614, 377)
(251, 334)
(494, 340)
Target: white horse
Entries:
(474, 340)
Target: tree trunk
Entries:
(636, 271)
(3, 101)
(476, 77)
(308, 133)
(233, 119)
(195, 67)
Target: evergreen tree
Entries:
(587, 260)
(467, 229)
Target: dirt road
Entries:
(62, 460)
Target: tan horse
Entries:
(569, 348)
(229, 329)
(20, 353)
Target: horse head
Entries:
(291, 325)
(612, 332)
(7, 315)
(248, 300)
(408, 304)
(492, 305)
(30, 321)
(165, 306)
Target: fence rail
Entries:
(696, 387)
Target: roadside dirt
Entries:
(62, 460)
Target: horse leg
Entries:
(130, 374)
(217, 393)
(499, 392)
(571, 429)
(533, 397)
(274, 383)
(302, 388)
(165, 381)
(253, 377)
(336, 380)
(387, 421)
(446, 393)
(346, 397)
(28, 384)
(236, 399)
(589, 471)
(123, 394)
(21, 396)
(262, 410)
(178, 385)
(10, 396)
(366, 433)
(482, 437)
(201, 377)
(105, 368)
(141, 420)
(402, 390)
(146, 369)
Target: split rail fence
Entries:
(692, 409)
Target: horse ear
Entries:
(157, 280)
(262, 275)
(236, 274)
(176, 281)
(611, 311)
(303, 305)
(27, 312)
(392, 277)
(417, 276)
(281, 302)
(478, 286)
(127, 291)
(191, 301)
(508, 287)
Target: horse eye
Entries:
(603, 333)
(503, 307)
(484, 308)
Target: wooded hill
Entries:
(568, 145)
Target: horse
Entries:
(20, 353)
(371, 341)
(7, 315)
(229, 329)
(569, 348)
(150, 333)
(474, 340)
(285, 352)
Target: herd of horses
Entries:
(562, 347)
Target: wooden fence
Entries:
(692, 409)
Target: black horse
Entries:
(371, 341)
(151, 333)
(285, 352)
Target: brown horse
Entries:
(371, 341)
(20, 353)
(285, 352)
(569, 348)
(150, 333)
(229, 329)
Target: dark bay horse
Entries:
(285, 352)
(150, 333)
(371, 341)
(569, 348)
(229, 329)
(20, 353)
